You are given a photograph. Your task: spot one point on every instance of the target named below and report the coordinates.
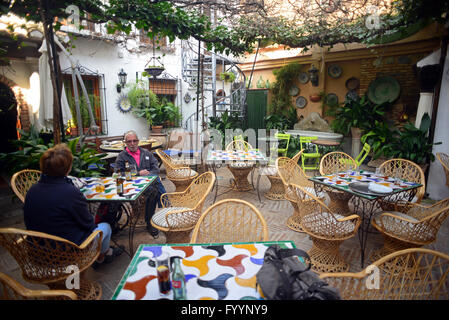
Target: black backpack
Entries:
(111, 213)
(286, 275)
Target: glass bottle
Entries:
(127, 171)
(178, 281)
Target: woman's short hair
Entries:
(56, 161)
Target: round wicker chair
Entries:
(240, 169)
(331, 163)
(444, 160)
(22, 181)
(230, 220)
(418, 227)
(10, 289)
(179, 174)
(406, 170)
(291, 172)
(417, 274)
(181, 210)
(326, 230)
(48, 260)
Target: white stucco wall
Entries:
(436, 183)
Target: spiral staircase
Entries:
(201, 69)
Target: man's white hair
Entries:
(130, 132)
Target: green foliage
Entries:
(145, 103)
(293, 147)
(411, 143)
(379, 134)
(356, 113)
(281, 101)
(227, 76)
(85, 118)
(225, 121)
(83, 157)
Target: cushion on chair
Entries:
(181, 173)
(159, 218)
(322, 224)
(404, 229)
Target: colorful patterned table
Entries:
(216, 158)
(212, 271)
(135, 193)
(365, 204)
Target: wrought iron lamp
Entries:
(122, 80)
(313, 75)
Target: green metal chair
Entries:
(282, 152)
(362, 155)
(239, 137)
(310, 153)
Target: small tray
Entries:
(361, 187)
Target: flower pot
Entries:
(156, 129)
(315, 97)
(154, 71)
(356, 133)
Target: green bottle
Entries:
(178, 281)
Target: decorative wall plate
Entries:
(123, 103)
(294, 91)
(301, 102)
(187, 97)
(352, 95)
(303, 77)
(383, 89)
(352, 83)
(331, 99)
(334, 71)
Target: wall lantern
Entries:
(122, 80)
(313, 75)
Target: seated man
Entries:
(146, 165)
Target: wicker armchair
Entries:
(230, 220)
(406, 170)
(418, 274)
(181, 210)
(290, 172)
(327, 231)
(418, 227)
(48, 260)
(240, 169)
(10, 289)
(331, 163)
(444, 160)
(179, 174)
(22, 181)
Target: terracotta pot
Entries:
(315, 97)
(156, 129)
(356, 133)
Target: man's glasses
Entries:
(132, 141)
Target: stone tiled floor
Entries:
(275, 213)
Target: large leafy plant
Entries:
(87, 161)
(379, 134)
(411, 143)
(225, 121)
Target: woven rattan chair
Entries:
(327, 231)
(179, 174)
(240, 169)
(406, 170)
(416, 228)
(22, 181)
(49, 260)
(418, 274)
(230, 220)
(331, 163)
(444, 160)
(181, 210)
(10, 289)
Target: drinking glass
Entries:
(99, 186)
(133, 170)
(163, 273)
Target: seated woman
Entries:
(55, 206)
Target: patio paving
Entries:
(275, 213)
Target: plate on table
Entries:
(301, 102)
(363, 187)
(303, 77)
(334, 71)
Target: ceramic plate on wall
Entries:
(303, 77)
(294, 90)
(331, 99)
(352, 95)
(301, 102)
(352, 83)
(334, 71)
(384, 89)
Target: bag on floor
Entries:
(110, 213)
(286, 275)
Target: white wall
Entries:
(436, 183)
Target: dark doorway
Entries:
(8, 118)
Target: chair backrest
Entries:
(230, 220)
(22, 181)
(239, 145)
(411, 274)
(11, 289)
(168, 162)
(198, 190)
(239, 137)
(407, 170)
(444, 160)
(363, 154)
(307, 145)
(282, 137)
(44, 258)
(290, 172)
(335, 162)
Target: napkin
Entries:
(375, 187)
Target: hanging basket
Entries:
(154, 71)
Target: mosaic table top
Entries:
(212, 271)
(236, 155)
(132, 189)
(342, 180)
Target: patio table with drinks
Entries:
(366, 189)
(217, 271)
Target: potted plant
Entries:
(145, 102)
(227, 76)
(154, 71)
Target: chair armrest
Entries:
(387, 215)
(91, 238)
